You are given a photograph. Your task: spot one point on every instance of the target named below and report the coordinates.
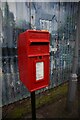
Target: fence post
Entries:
(0, 61)
(73, 79)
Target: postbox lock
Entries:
(40, 57)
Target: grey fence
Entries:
(59, 18)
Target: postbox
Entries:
(33, 59)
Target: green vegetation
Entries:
(52, 95)
(22, 108)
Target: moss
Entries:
(19, 110)
(52, 95)
(44, 98)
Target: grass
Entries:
(22, 108)
(52, 95)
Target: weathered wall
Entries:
(59, 19)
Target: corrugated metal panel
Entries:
(59, 19)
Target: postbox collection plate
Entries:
(39, 71)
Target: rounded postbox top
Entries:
(31, 30)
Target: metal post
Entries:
(72, 91)
(1, 61)
(30, 14)
(73, 79)
(33, 105)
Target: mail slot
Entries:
(33, 59)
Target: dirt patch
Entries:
(55, 110)
(49, 104)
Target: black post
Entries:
(33, 105)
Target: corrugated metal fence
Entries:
(59, 19)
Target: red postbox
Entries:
(33, 59)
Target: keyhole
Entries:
(40, 57)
